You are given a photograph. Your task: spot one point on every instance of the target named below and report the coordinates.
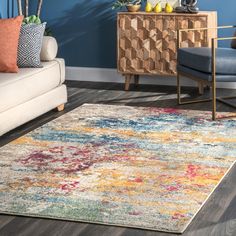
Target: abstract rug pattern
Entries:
(150, 168)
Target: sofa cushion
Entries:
(9, 37)
(200, 59)
(30, 44)
(29, 83)
(205, 76)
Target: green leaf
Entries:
(37, 20)
(32, 18)
(26, 20)
(121, 3)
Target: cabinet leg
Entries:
(127, 82)
(201, 88)
(136, 80)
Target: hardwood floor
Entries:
(217, 217)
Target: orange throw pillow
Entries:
(9, 37)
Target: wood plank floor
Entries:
(217, 217)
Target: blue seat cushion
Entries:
(200, 59)
(205, 76)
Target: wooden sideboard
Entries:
(147, 42)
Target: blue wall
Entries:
(86, 29)
(8, 8)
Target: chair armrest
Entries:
(209, 28)
(213, 54)
(203, 29)
(225, 38)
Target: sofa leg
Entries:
(61, 107)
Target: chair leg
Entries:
(180, 102)
(224, 100)
(178, 88)
(213, 79)
(213, 100)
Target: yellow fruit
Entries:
(168, 8)
(148, 7)
(158, 8)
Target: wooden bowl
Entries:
(133, 8)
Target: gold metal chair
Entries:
(213, 73)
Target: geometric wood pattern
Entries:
(147, 42)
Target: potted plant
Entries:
(131, 5)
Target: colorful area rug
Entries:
(147, 168)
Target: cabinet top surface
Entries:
(201, 13)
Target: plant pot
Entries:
(133, 8)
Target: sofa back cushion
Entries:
(9, 37)
(30, 44)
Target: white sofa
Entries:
(31, 93)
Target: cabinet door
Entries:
(193, 38)
(130, 40)
(139, 44)
(169, 37)
(152, 44)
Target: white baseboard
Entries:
(111, 75)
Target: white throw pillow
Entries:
(49, 49)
